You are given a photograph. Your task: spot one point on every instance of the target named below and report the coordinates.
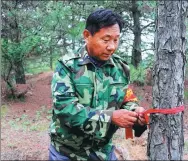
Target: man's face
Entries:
(103, 43)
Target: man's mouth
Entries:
(107, 55)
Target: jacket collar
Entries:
(84, 59)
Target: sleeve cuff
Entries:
(131, 106)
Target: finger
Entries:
(142, 120)
(133, 114)
(141, 123)
(141, 114)
(132, 119)
(140, 109)
(128, 124)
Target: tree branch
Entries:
(148, 49)
(7, 57)
(146, 26)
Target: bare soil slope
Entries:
(24, 124)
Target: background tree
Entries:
(166, 138)
(136, 51)
(137, 29)
(36, 33)
(18, 38)
(139, 24)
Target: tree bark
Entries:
(136, 51)
(165, 139)
(15, 37)
(19, 72)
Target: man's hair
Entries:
(103, 18)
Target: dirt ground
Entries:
(24, 124)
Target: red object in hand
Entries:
(173, 110)
(129, 133)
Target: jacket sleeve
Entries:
(70, 112)
(130, 101)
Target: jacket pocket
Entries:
(116, 94)
(84, 93)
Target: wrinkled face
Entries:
(103, 43)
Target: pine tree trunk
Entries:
(136, 51)
(19, 72)
(165, 139)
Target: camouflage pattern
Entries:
(84, 97)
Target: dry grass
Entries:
(17, 143)
(135, 148)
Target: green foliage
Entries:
(75, 32)
(35, 65)
(138, 75)
(186, 147)
(186, 94)
(39, 127)
(41, 112)
(13, 124)
(4, 110)
(148, 61)
(186, 69)
(24, 117)
(26, 123)
(147, 8)
(48, 29)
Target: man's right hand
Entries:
(124, 118)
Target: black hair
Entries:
(103, 18)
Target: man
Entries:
(91, 96)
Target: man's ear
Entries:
(86, 35)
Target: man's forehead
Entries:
(109, 35)
(110, 30)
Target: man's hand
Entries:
(141, 119)
(124, 118)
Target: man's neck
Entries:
(96, 62)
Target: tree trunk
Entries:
(165, 139)
(136, 51)
(19, 72)
(17, 59)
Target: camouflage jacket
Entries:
(84, 97)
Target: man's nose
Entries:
(111, 46)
